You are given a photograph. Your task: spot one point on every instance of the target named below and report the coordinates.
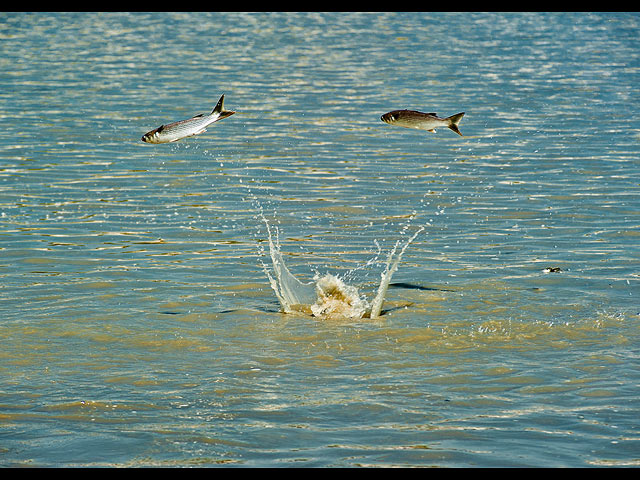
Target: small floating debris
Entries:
(552, 270)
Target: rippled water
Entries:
(139, 327)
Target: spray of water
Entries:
(327, 295)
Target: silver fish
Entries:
(175, 131)
(422, 121)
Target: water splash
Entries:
(390, 269)
(327, 295)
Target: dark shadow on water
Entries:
(413, 286)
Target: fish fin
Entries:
(219, 106)
(453, 122)
(199, 115)
(220, 111)
(225, 114)
(160, 128)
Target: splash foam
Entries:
(328, 295)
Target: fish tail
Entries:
(453, 122)
(220, 111)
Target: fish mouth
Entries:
(149, 137)
(387, 118)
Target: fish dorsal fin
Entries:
(199, 115)
(160, 128)
(219, 106)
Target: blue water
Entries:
(138, 327)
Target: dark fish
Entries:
(422, 121)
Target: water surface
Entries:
(138, 326)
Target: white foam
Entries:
(334, 298)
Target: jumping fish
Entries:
(422, 121)
(175, 131)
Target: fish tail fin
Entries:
(220, 111)
(453, 122)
